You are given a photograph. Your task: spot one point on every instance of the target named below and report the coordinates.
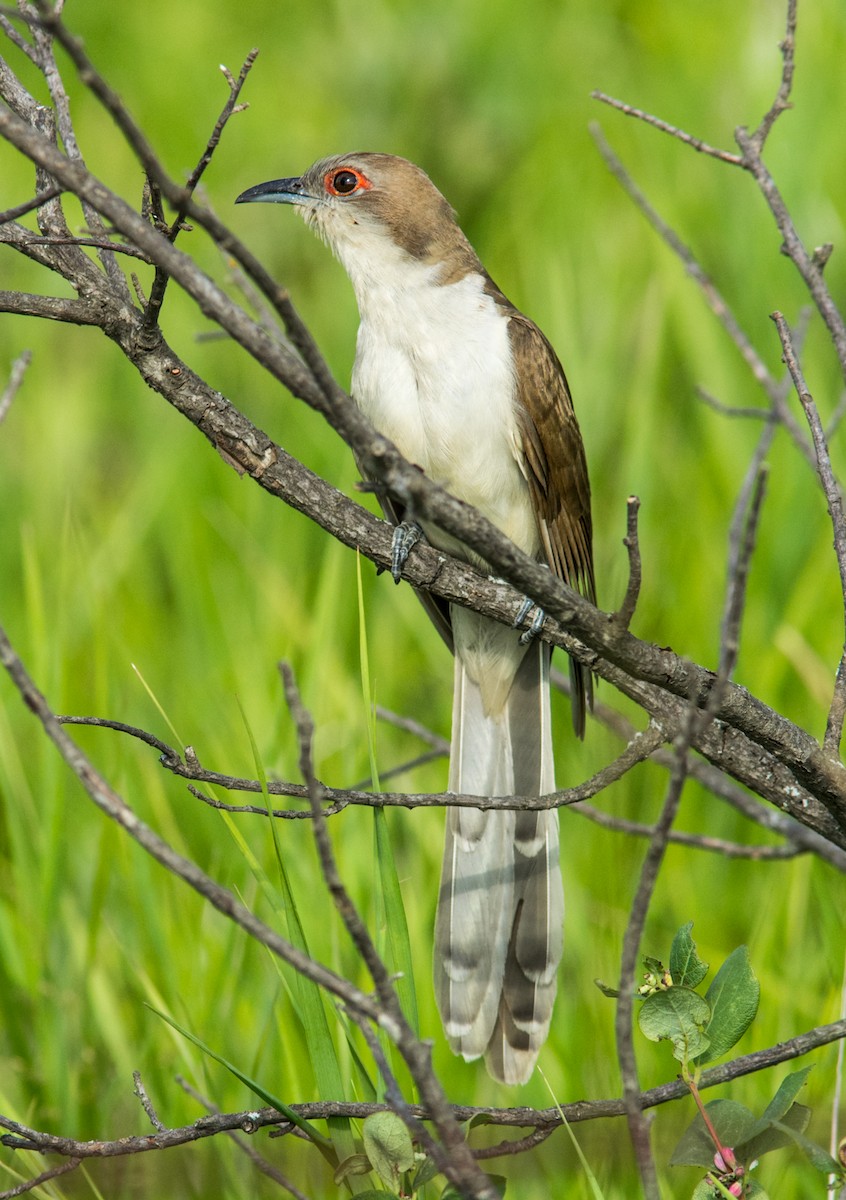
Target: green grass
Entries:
(125, 540)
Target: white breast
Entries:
(434, 373)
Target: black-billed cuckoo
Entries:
(470, 390)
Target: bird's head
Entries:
(371, 206)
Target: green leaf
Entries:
(679, 1015)
(686, 967)
(733, 997)
(816, 1156)
(770, 1137)
(611, 992)
(388, 1145)
(787, 1092)
(734, 1124)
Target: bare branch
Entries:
(24, 1137)
(689, 140)
(834, 500)
(146, 1103)
(623, 616)
(30, 1185)
(713, 297)
(696, 841)
(741, 545)
(797, 750)
(20, 210)
(259, 1162)
(632, 1097)
(639, 748)
(782, 100)
(157, 292)
(807, 264)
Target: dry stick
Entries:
(30, 1184)
(157, 292)
(43, 44)
(716, 302)
(834, 500)
(806, 264)
(741, 553)
(146, 1102)
(177, 195)
(258, 1160)
(94, 243)
(695, 841)
(782, 99)
(640, 747)
(623, 616)
(810, 266)
(20, 210)
(665, 127)
(22, 1136)
(623, 1022)
(454, 1157)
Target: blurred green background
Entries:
(125, 542)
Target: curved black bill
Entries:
(276, 191)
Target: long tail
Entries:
(499, 928)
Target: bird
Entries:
(469, 389)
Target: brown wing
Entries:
(556, 472)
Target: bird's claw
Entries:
(528, 635)
(406, 536)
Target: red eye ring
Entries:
(345, 182)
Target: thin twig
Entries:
(741, 544)
(258, 1160)
(834, 501)
(689, 140)
(623, 616)
(29, 1185)
(94, 243)
(695, 841)
(716, 302)
(640, 746)
(637, 1122)
(146, 1102)
(171, 232)
(782, 99)
(20, 210)
(20, 1136)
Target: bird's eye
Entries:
(345, 182)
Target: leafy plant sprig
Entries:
(725, 1138)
